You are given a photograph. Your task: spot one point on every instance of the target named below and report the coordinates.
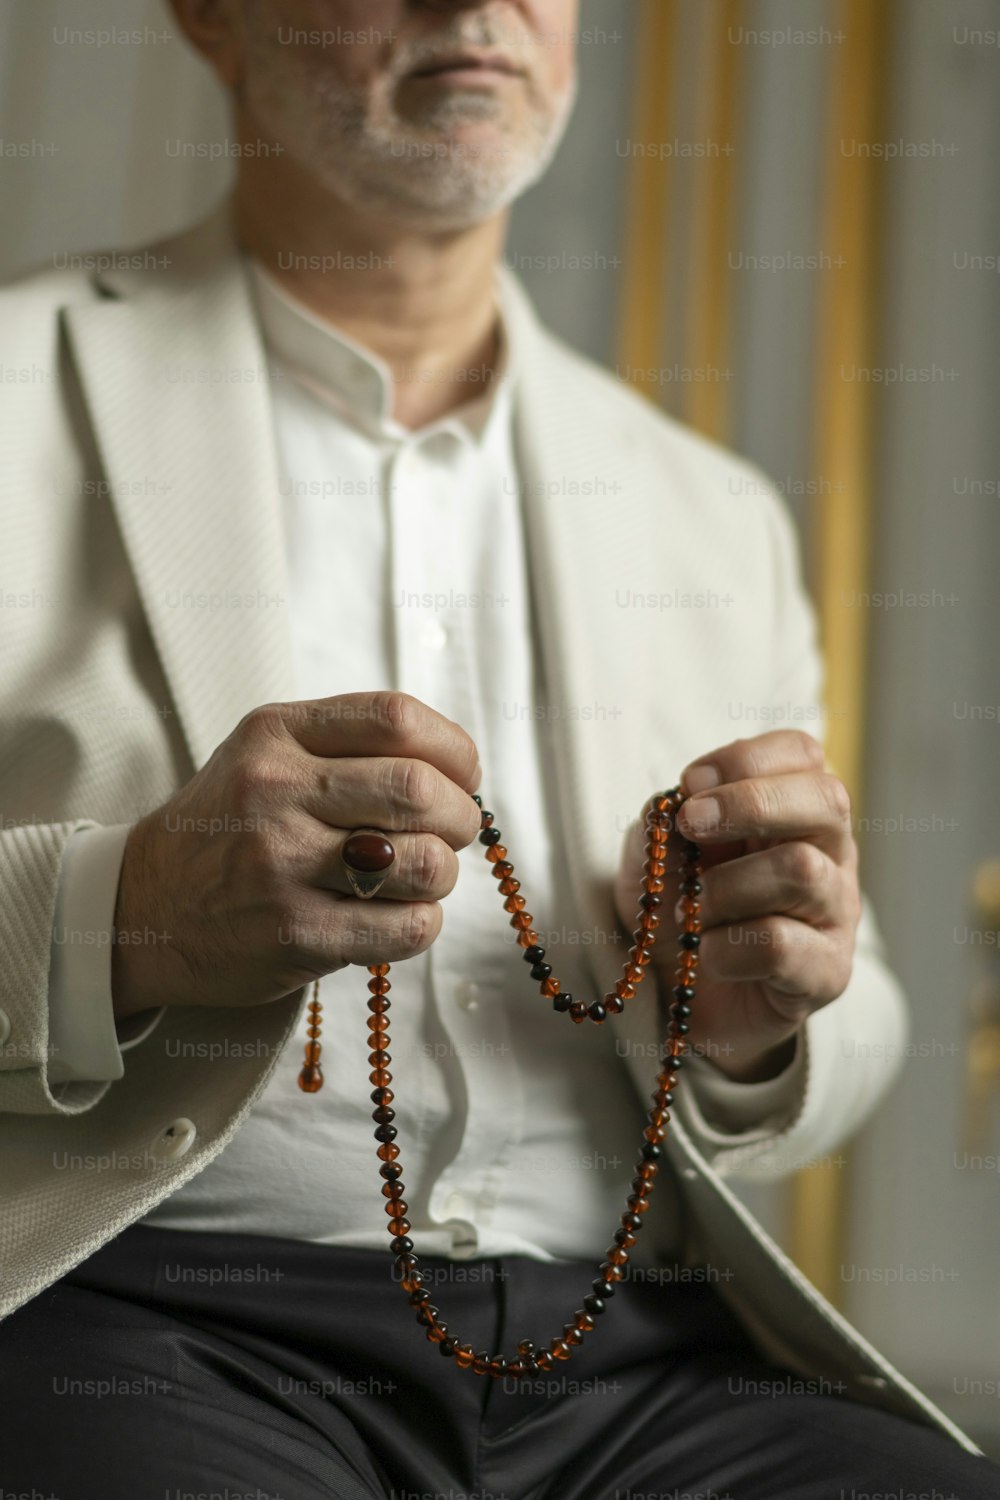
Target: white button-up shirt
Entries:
(407, 571)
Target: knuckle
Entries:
(418, 926)
(413, 788)
(779, 943)
(805, 866)
(756, 807)
(809, 746)
(396, 710)
(838, 798)
(266, 721)
(430, 866)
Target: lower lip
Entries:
(465, 77)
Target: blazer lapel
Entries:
(174, 377)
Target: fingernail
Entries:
(702, 813)
(700, 778)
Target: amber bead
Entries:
(399, 1226)
(514, 903)
(481, 1363)
(614, 1005)
(502, 868)
(378, 1004)
(632, 973)
(550, 987)
(382, 1096)
(571, 1334)
(380, 1077)
(527, 939)
(497, 1367)
(387, 1152)
(464, 1356)
(649, 921)
(583, 1320)
(654, 884)
(521, 920)
(497, 854)
(544, 1360)
(437, 1332)
(617, 1256)
(559, 1349)
(311, 1078)
(378, 1058)
(624, 990)
(378, 1023)
(508, 886)
(379, 970)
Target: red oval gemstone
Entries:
(368, 853)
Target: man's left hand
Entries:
(780, 902)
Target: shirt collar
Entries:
(348, 377)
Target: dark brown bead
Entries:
(399, 1226)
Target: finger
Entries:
(399, 795)
(794, 879)
(804, 965)
(813, 805)
(331, 930)
(378, 724)
(425, 868)
(776, 753)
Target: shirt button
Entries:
(433, 635)
(174, 1141)
(456, 1206)
(467, 994)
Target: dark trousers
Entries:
(175, 1365)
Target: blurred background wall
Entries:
(779, 219)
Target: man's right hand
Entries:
(236, 882)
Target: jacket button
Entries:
(4, 1025)
(174, 1141)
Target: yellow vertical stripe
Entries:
(842, 457)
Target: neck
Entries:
(423, 303)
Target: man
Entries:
(269, 456)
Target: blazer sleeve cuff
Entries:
(85, 1040)
(722, 1112)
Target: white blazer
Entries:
(139, 460)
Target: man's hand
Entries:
(780, 902)
(240, 870)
